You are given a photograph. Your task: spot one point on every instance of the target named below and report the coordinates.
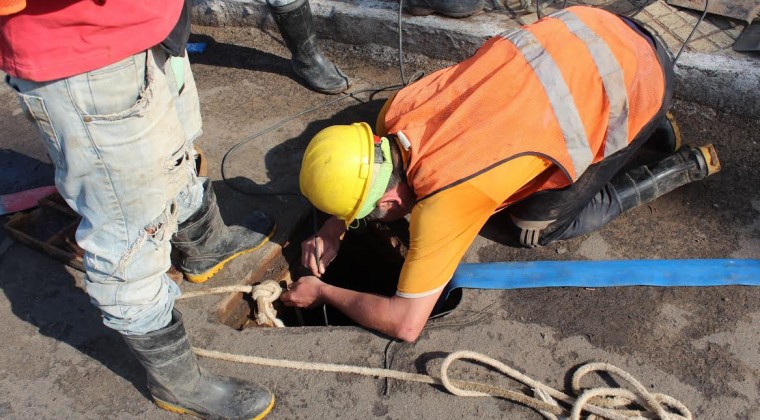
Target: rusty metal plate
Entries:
(745, 10)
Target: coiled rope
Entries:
(601, 402)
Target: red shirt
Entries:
(53, 39)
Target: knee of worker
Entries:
(128, 282)
(536, 233)
(137, 307)
(129, 252)
(529, 232)
(538, 214)
(603, 208)
(533, 234)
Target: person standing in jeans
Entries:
(109, 86)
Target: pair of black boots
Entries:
(661, 165)
(175, 380)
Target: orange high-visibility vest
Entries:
(574, 87)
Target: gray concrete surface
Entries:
(699, 345)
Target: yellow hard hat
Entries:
(337, 168)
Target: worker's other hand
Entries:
(326, 248)
(325, 244)
(304, 293)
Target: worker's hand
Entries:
(326, 248)
(325, 244)
(304, 293)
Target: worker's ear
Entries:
(389, 201)
(395, 203)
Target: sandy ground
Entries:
(699, 345)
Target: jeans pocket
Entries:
(144, 147)
(114, 89)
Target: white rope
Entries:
(608, 403)
(660, 406)
(264, 293)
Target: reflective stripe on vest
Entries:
(560, 98)
(616, 137)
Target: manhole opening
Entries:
(369, 261)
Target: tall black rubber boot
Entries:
(206, 244)
(296, 26)
(179, 385)
(639, 186)
(450, 8)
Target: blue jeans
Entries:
(121, 139)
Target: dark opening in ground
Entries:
(369, 261)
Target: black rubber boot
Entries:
(645, 183)
(296, 26)
(179, 385)
(206, 244)
(639, 186)
(450, 8)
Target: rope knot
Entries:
(264, 294)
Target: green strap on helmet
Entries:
(380, 183)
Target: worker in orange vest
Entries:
(540, 122)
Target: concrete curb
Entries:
(722, 82)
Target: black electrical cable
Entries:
(400, 44)
(694, 29)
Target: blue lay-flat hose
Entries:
(523, 275)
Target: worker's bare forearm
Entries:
(371, 311)
(394, 316)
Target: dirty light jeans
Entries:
(121, 138)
